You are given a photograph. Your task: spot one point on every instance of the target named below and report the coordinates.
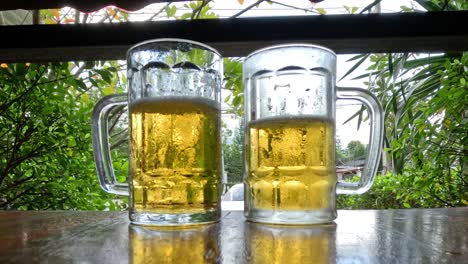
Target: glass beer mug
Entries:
(174, 129)
(290, 96)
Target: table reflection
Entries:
(155, 245)
(287, 244)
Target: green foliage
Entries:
(443, 5)
(340, 154)
(382, 195)
(356, 150)
(424, 98)
(233, 159)
(46, 157)
(233, 84)
(198, 10)
(351, 9)
(408, 190)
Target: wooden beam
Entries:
(405, 32)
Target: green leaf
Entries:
(356, 57)
(80, 84)
(71, 142)
(424, 61)
(105, 75)
(406, 9)
(355, 66)
(365, 75)
(237, 101)
(170, 11)
(390, 64)
(108, 91)
(185, 16)
(358, 113)
(321, 11)
(429, 5)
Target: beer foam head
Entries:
(168, 100)
(291, 119)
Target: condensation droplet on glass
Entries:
(283, 104)
(185, 47)
(300, 103)
(269, 105)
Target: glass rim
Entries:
(291, 45)
(158, 40)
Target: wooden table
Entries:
(364, 236)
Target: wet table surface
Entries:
(362, 236)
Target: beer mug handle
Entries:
(375, 142)
(102, 158)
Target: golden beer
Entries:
(175, 155)
(291, 164)
(268, 244)
(196, 246)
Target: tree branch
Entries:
(370, 6)
(17, 196)
(77, 17)
(123, 131)
(21, 181)
(445, 5)
(85, 17)
(3, 108)
(159, 12)
(18, 141)
(293, 7)
(118, 143)
(64, 16)
(117, 113)
(440, 199)
(248, 8)
(196, 13)
(61, 201)
(35, 17)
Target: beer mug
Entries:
(175, 140)
(290, 96)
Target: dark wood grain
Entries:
(367, 236)
(407, 32)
